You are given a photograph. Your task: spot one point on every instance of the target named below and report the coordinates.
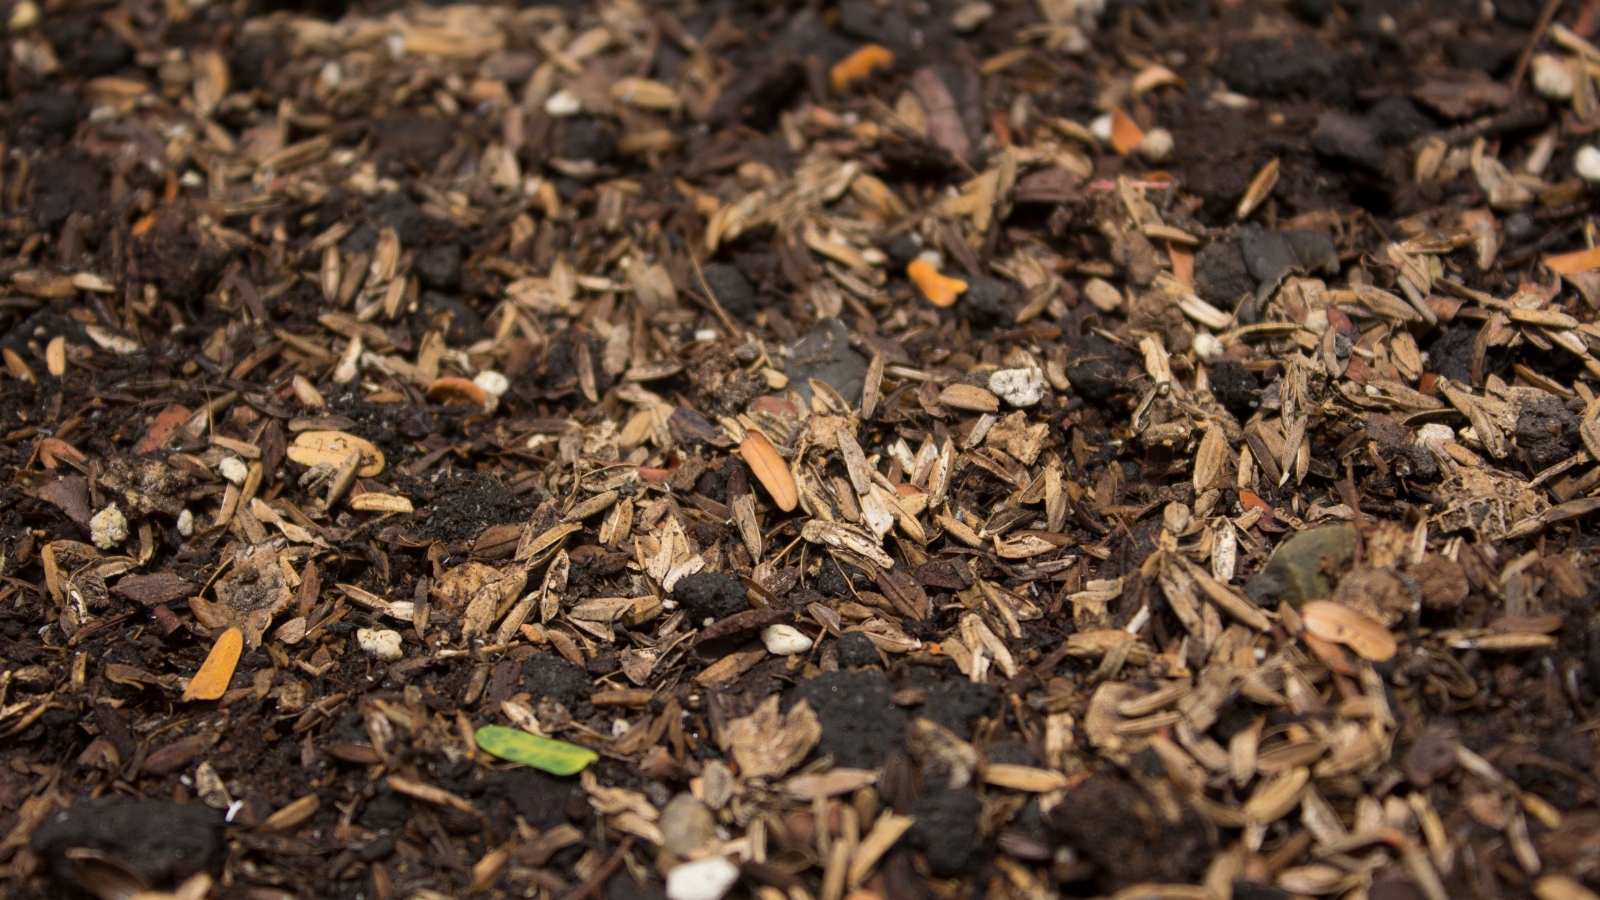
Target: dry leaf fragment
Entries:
(334, 447)
(770, 469)
(860, 65)
(969, 397)
(1343, 625)
(375, 502)
(1260, 187)
(767, 744)
(211, 682)
(940, 290)
(292, 816)
(55, 356)
(645, 94)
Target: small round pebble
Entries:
(563, 103)
(1156, 146)
(493, 383)
(380, 642)
(1552, 77)
(785, 640)
(108, 528)
(1018, 387)
(186, 523)
(1101, 128)
(703, 879)
(234, 469)
(1435, 431)
(1587, 163)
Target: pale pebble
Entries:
(1101, 128)
(380, 642)
(1018, 387)
(108, 528)
(493, 383)
(782, 640)
(703, 879)
(234, 469)
(1587, 163)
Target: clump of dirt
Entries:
(1113, 825)
(548, 676)
(1547, 432)
(860, 722)
(1097, 369)
(407, 139)
(158, 840)
(958, 704)
(724, 388)
(1220, 275)
(709, 595)
(465, 503)
(1287, 67)
(946, 829)
(856, 650)
(731, 289)
(66, 183)
(1236, 388)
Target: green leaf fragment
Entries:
(545, 754)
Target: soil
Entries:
(1225, 529)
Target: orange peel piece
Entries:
(211, 682)
(1125, 132)
(860, 64)
(941, 290)
(451, 390)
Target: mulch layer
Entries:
(778, 450)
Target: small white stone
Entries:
(782, 640)
(234, 469)
(186, 523)
(493, 383)
(1018, 387)
(1587, 163)
(703, 879)
(108, 528)
(1207, 347)
(1156, 146)
(563, 103)
(380, 642)
(1101, 129)
(1434, 431)
(1552, 77)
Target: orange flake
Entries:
(453, 390)
(1574, 262)
(211, 682)
(1182, 264)
(1125, 132)
(162, 429)
(859, 65)
(940, 290)
(144, 223)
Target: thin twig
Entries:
(601, 874)
(1547, 16)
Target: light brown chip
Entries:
(770, 469)
(1343, 625)
(333, 447)
(969, 397)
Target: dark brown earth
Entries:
(1311, 283)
